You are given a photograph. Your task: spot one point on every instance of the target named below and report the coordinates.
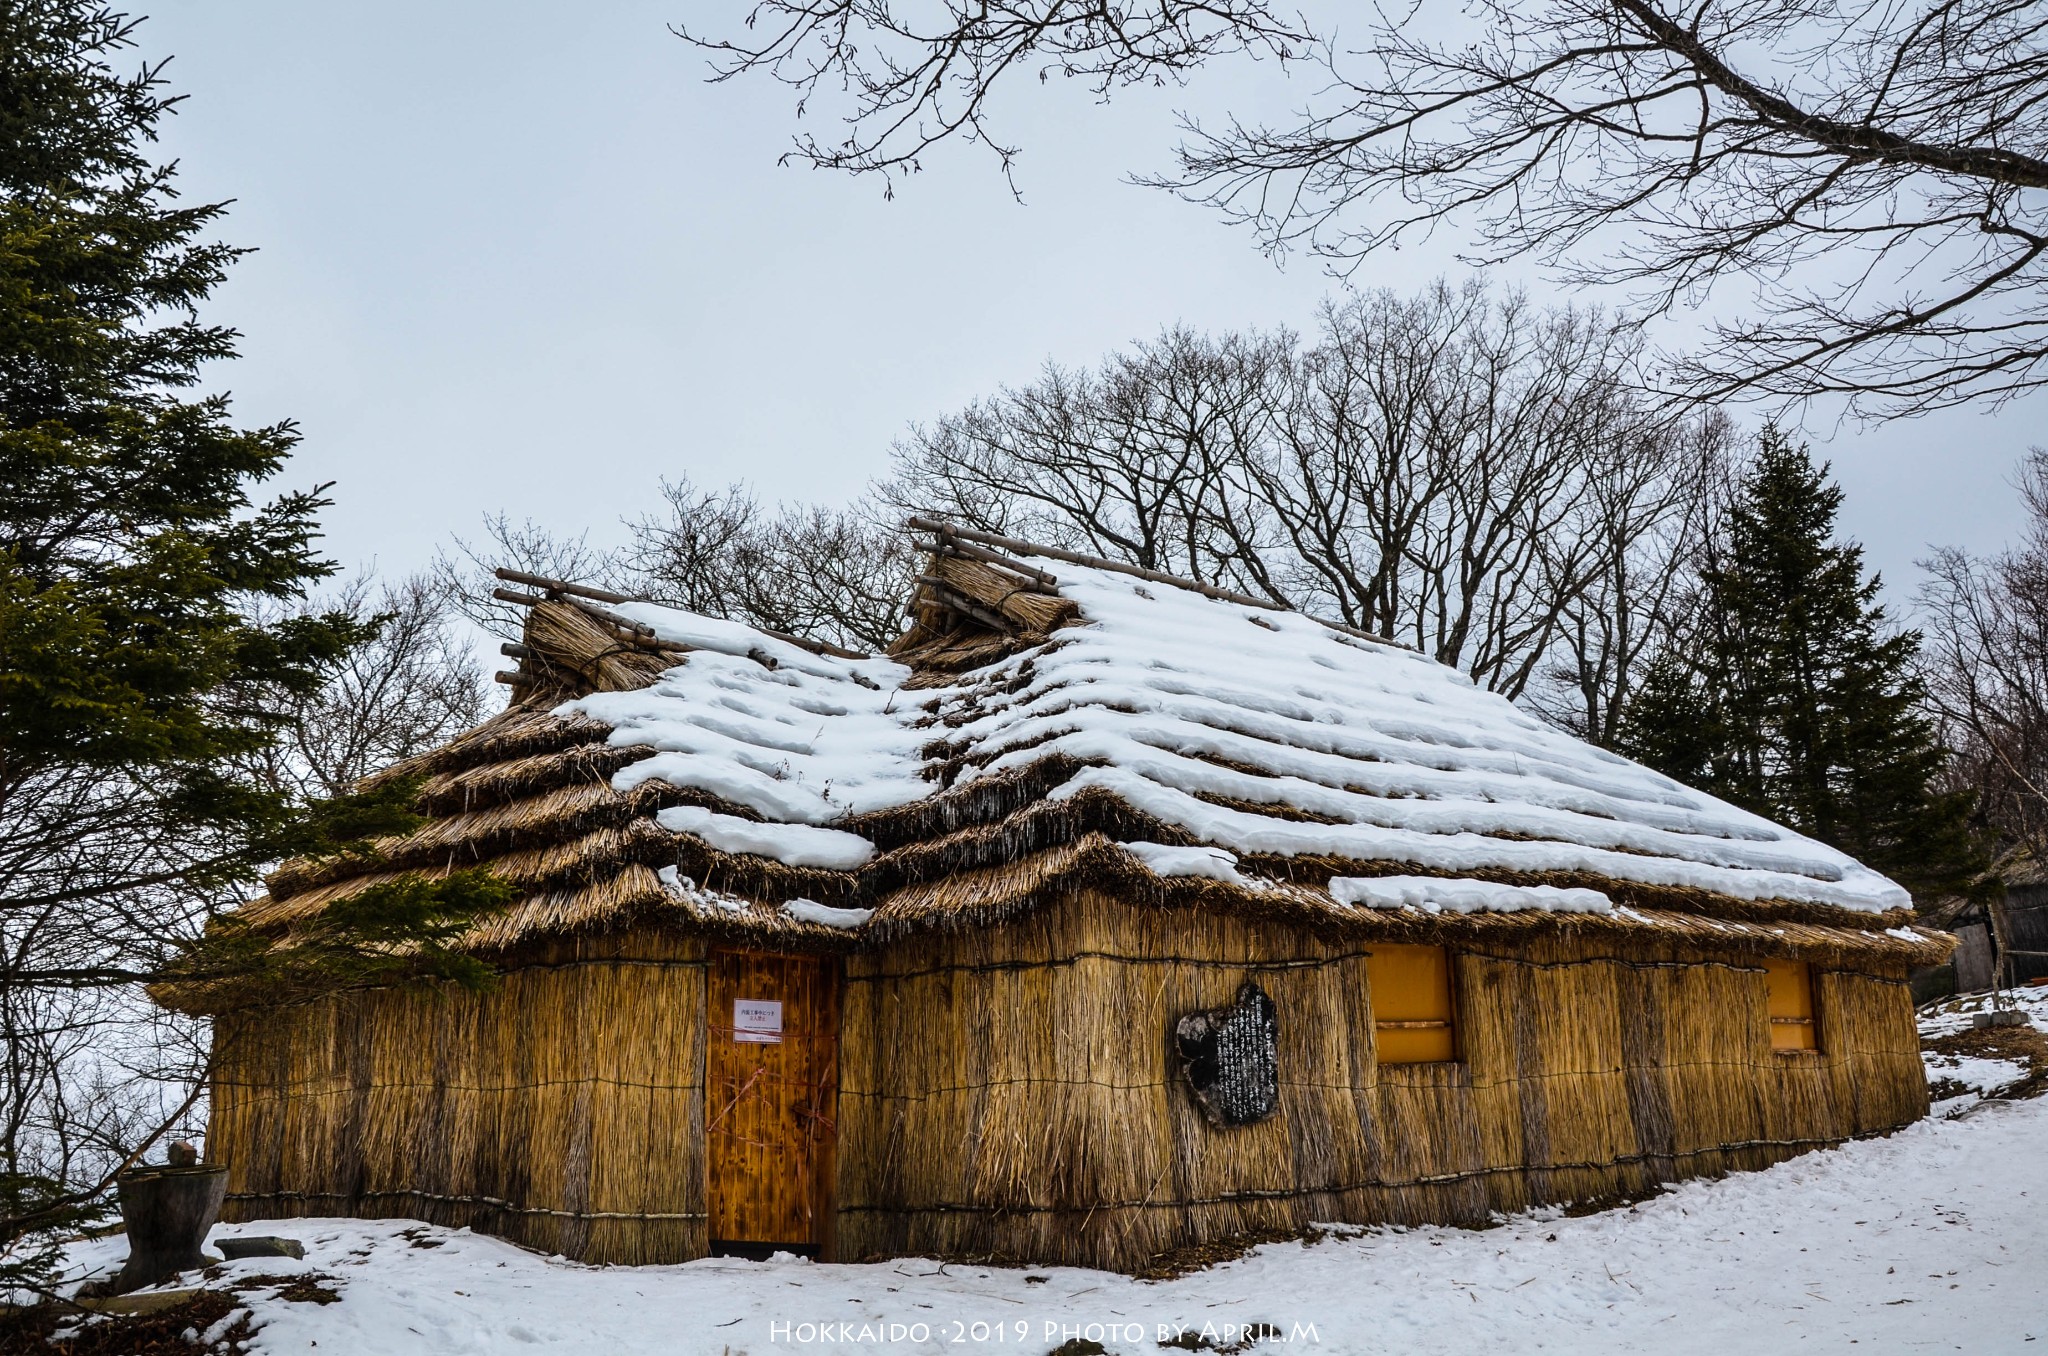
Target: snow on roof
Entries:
(795, 737)
(1434, 894)
(1198, 712)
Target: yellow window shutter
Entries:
(1411, 1004)
(1793, 1026)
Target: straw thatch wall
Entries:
(564, 1110)
(1011, 1093)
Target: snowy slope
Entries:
(1176, 701)
(1977, 1075)
(1955, 1014)
(1931, 1239)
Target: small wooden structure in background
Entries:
(2002, 940)
(720, 1037)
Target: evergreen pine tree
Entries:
(1789, 693)
(135, 679)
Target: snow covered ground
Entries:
(1955, 1015)
(1965, 1064)
(1935, 1239)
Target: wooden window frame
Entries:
(1448, 1023)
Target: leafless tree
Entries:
(1987, 662)
(841, 574)
(1655, 501)
(89, 1070)
(838, 575)
(697, 551)
(420, 681)
(1870, 177)
(464, 574)
(1459, 470)
(1466, 472)
(1146, 459)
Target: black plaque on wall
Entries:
(1231, 1057)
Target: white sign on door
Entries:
(757, 1021)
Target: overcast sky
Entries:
(521, 257)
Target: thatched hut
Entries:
(1104, 916)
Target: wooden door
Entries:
(772, 1099)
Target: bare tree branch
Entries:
(1861, 185)
(1876, 177)
(912, 79)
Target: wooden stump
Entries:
(168, 1211)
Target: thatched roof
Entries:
(1052, 721)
